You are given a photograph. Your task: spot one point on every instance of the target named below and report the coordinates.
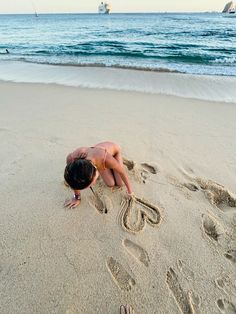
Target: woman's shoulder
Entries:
(80, 152)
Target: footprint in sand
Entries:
(217, 194)
(150, 167)
(121, 277)
(135, 212)
(141, 172)
(192, 187)
(137, 252)
(231, 255)
(222, 282)
(214, 231)
(187, 302)
(101, 204)
(226, 307)
(185, 270)
(130, 164)
(211, 227)
(225, 283)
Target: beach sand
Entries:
(171, 250)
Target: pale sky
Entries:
(90, 6)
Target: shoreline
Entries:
(202, 87)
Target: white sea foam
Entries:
(213, 88)
(226, 60)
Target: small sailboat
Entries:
(34, 8)
(229, 9)
(104, 8)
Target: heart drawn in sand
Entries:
(136, 212)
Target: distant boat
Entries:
(231, 13)
(229, 9)
(229, 6)
(34, 8)
(104, 8)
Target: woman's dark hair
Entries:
(79, 174)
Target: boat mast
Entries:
(34, 8)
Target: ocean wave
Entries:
(174, 52)
(216, 70)
(93, 64)
(218, 33)
(103, 65)
(144, 44)
(226, 61)
(193, 64)
(177, 52)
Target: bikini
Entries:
(84, 156)
(104, 157)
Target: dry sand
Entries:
(172, 250)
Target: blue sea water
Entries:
(203, 43)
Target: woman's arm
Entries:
(69, 159)
(113, 164)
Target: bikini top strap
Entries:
(104, 159)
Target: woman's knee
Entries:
(110, 184)
(120, 184)
(118, 181)
(109, 180)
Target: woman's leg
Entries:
(118, 180)
(111, 177)
(108, 177)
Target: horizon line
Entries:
(149, 12)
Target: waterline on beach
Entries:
(213, 88)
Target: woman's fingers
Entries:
(66, 204)
(71, 203)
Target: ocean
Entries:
(203, 43)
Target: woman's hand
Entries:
(72, 203)
(130, 195)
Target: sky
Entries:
(90, 6)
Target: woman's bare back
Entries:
(112, 148)
(97, 153)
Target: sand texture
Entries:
(171, 249)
